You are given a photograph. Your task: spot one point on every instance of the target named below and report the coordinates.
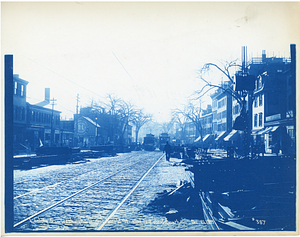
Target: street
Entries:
(103, 194)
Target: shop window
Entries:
(291, 133)
(47, 136)
(270, 137)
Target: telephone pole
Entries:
(52, 133)
(76, 121)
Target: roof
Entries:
(91, 121)
(42, 108)
(17, 78)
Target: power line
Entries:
(62, 76)
(127, 74)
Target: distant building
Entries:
(67, 132)
(86, 131)
(43, 126)
(222, 109)
(93, 128)
(19, 114)
(34, 125)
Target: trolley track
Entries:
(49, 180)
(106, 187)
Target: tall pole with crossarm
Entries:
(8, 201)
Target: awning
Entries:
(206, 137)
(230, 135)
(267, 130)
(221, 135)
(198, 139)
(91, 121)
(274, 128)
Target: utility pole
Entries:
(245, 86)
(77, 98)
(76, 121)
(52, 133)
(8, 130)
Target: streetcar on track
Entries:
(149, 142)
(163, 139)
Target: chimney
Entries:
(47, 98)
(264, 56)
(47, 94)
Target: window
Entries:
(224, 114)
(291, 133)
(260, 82)
(22, 90)
(270, 137)
(215, 115)
(15, 112)
(23, 114)
(221, 103)
(255, 102)
(214, 105)
(236, 109)
(15, 88)
(260, 100)
(255, 120)
(260, 120)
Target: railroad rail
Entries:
(134, 169)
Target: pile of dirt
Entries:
(183, 203)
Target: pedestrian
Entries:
(167, 150)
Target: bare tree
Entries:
(166, 126)
(119, 115)
(126, 113)
(139, 120)
(180, 120)
(192, 113)
(225, 69)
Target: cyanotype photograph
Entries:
(157, 118)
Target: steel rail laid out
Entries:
(65, 199)
(53, 185)
(128, 195)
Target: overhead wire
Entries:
(62, 76)
(127, 74)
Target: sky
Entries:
(145, 53)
